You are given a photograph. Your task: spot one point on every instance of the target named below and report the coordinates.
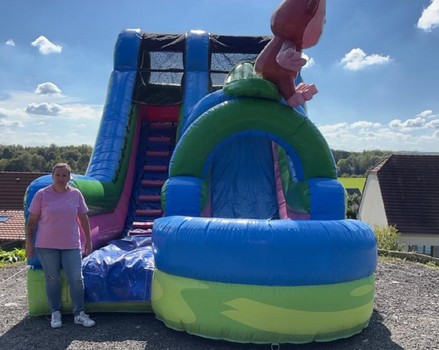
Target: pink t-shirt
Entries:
(58, 226)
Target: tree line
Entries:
(357, 164)
(42, 159)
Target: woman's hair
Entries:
(61, 165)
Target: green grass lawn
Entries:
(353, 182)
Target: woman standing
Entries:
(57, 209)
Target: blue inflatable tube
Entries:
(107, 152)
(271, 253)
(197, 71)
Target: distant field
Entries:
(353, 182)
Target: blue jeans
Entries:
(70, 260)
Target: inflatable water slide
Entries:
(213, 204)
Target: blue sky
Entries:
(376, 66)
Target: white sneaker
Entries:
(56, 321)
(84, 319)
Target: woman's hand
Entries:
(30, 229)
(85, 225)
(88, 247)
(30, 250)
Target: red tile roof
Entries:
(13, 186)
(13, 228)
(410, 191)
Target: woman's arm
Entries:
(85, 225)
(31, 227)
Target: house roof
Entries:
(410, 190)
(12, 229)
(13, 186)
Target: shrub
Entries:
(387, 237)
(12, 256)
(352, 205)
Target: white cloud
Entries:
(357, 59)
(45, 46)
(334, 129)
(429, 19)
(6, 123)
(414, 123)
(47, 88)
(44, 109)
(364, 124)
(31, 119)
(434, 124)
(420, 133)
(309, 61)
(426, 114)
(18, 103)
(10, 42)
(15, 100)
(79, 111)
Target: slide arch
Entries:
(294, 132)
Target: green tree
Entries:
(353, 204)
(21, 163)
(41, 159)
(6, 153)
(356, 164)
(344, 168)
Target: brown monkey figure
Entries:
(296, 25)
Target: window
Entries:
(4, 218)
(421, 249)
(425, 249)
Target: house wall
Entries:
(420, 240)
(371, 209)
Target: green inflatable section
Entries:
(38, 304)
(232, 117)
(263, 314)
(242, 81)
